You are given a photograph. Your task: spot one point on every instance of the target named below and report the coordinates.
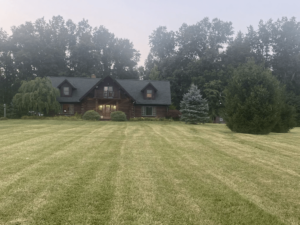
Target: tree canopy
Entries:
(62, 48)
(254, 101)
(37, 95)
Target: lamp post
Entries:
(4, 110)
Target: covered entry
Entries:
(105, 110)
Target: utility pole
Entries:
(4, 110)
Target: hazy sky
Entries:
(136, 19)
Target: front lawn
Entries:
(62, 172)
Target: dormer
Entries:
(149, 91)
(66, 88)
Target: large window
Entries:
(67, 108)
(66, 91)
(148, 111)
(108, 92)
(149, 93)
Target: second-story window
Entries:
(108, 92)
(66, 91)
(149, 93)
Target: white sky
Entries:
(136, 19)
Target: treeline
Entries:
(206, 53)
(61, 48)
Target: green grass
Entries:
(61, 172)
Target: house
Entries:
(136, 98)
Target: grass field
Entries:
(60, 172)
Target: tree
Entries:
(253, 100)
(37, 95)
(176, 55)
(194, 108)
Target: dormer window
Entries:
(66, 91)
(149, 93)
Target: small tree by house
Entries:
(37, 95)
(194, 108)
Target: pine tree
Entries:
(194, 108)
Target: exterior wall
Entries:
(149, 87)
(161, 111)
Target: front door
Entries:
(107, 109)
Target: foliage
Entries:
(68, 118)
(3, 118)
(37, 95)
(253, 100)
(11, 111)
(172, 53)
(288, 115)
(91, 115)
(118, 116)
(194, 108)
(151, 119)
(61, 48)
(174, 114)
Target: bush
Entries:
(151, 119)
(118, 116)
(174, 114)
(3, 118)
(253, 100)
(288, 115)
(69, 118)
(91, 115)
(34, 118)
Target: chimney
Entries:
(93, 76)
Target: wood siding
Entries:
(161, 111)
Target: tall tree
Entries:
(37, 95)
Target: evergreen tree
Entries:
(253, 102)
(194, 108)
(37, 95)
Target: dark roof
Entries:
(82, 84)
(66, 81)
(132, 87)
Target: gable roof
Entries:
(66, 81)
(147, 85)
(132, 87)
(82, 84)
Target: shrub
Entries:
(69, 118)
(118, 116)
(91, 115)
(3, 118)
(288, 115)
(252, 102)
(174, 114)
(34, 118)
(151, 119)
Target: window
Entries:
(66, 91)
(149, 93)
(67, 108)
(148, 111)
(108, 92)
